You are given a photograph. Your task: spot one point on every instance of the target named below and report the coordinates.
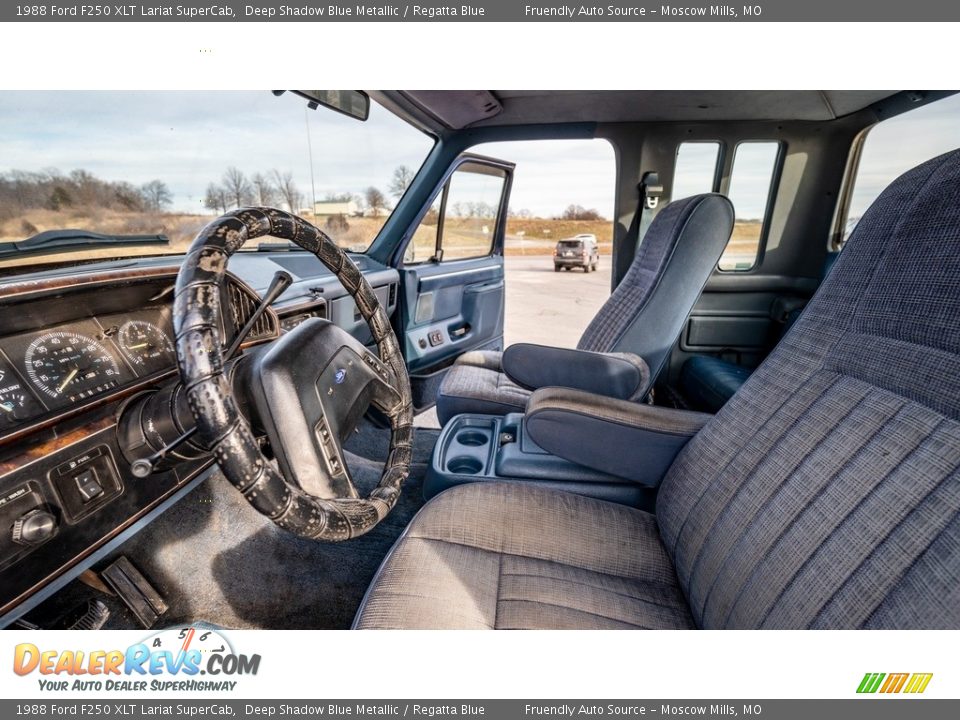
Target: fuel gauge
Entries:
(16, 403)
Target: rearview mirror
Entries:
(353, 103)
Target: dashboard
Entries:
(68, 364)
(79, 347)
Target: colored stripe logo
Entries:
(889, 683)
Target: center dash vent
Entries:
(243, 303)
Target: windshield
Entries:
(166, 163)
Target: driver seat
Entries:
(825, 494)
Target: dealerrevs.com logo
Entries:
(180, 653)
(894, 683)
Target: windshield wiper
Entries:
(51, 240)
(281, 246)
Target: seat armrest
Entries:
(618, 375)
(630, 440)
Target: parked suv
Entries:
(578, 251)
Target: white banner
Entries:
(370, 665)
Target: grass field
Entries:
(464, 237)
(540, 236)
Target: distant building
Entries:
(328, 209)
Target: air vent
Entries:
(242, 306)
(393, 295)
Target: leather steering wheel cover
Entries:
(220, 425)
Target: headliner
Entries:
(455, 109)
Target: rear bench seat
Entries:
(707, 382)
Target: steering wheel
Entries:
(307, 389)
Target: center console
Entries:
(487, 448)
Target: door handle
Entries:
(483, 287)
(460, 331)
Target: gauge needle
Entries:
(186, 643)
(139, 347)
(7, 407)
(71, 376)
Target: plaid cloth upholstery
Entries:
(605, 331)
(482, 387)
(498, 556)
(826, 493)
(477, 384)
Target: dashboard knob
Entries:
(34, 527)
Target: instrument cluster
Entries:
(68, 365)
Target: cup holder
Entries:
(465, 465)
(471, 438)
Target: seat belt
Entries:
(650, 191)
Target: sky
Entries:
(901, 143)
(188, 139)
(753, 166)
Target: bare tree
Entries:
(59, 198)
(22, 190)
(87, 190)
(264, 194)
(156, 195)
(361, 205)
(215, 198)
(288, 190)
(376, 200)
(237, 187)
(23, 186)
(402, 177)
(578, 212)
(128, 197)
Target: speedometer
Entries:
(146, 346)
(70, 367)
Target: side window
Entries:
(463, 219)
(423, 245)
(891, 148)
(751, 182)
(473, 205)
(695, 171)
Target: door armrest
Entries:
(622, 438)
(619, 375)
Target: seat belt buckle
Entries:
(651, 189)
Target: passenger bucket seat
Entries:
(825, 494)
(638, 324)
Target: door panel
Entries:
(740, 326)
(729, 321)
(742, 332)
(457, 307)
(452, 301)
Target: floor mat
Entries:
(214, 558)
(372, 443)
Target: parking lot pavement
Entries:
(551, 308)
(546, 307)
